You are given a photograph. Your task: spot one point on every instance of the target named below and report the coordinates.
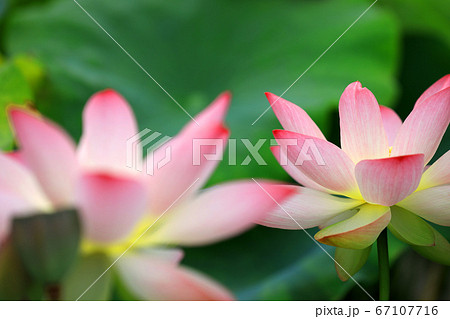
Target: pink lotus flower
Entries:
(117, 203)
(379, 170)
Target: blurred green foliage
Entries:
(14, 281)
(197, 48)
(83, 274)
(430, 17)
(14, 89)
(20, 77)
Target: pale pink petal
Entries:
(151, 277)
(437, 174)
(391, 122)
(17, 156)
(170, 255)
(294, 172)
(423, 129)
(220, 212)
(292, 117)
(362, 131)
(307, 208)
(110, 206)
(108, 126)
(433, 204)
(389, 180)
(20, 193)
(18, 181)
(183, 165)
(439, 85)
(321, 161)
(359, 231)
(50, 154)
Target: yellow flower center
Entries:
(141, 236)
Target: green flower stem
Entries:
(383, 265)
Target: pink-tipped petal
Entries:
(215, 112)
(439, 85)
(294, 172)
(307, 208)
(17, 180)
(389, 180)
(108, 127)
(183, 165)
(321, 161)
(437, 174)
(423, 129)
(220, 212)
(433, 204)
(50, 154)
(293, 118)
(151, 277)
(213, 115)
(359, 231)
(391, 123)
(18, 157)
(362, 131)
(110, 206)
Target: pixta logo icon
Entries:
(158, 152)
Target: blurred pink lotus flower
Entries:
(117, 203)
(379, 170)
